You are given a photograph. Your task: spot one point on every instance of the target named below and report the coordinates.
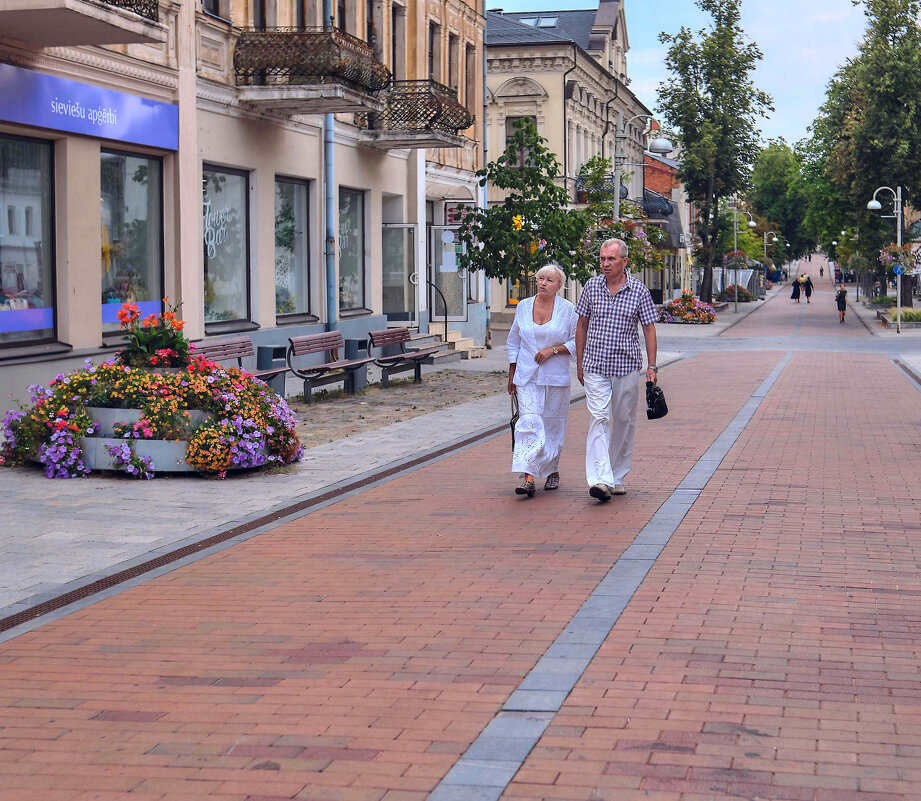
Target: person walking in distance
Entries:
(807, 288)
(608, 359)
(841, 301)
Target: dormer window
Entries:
(530, 21)
(547, 22)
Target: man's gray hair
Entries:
(556, 270)
(624, 248)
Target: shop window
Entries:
(351, 250)
(132, 235)
(225, 211)
(292, 248)
(26, 259)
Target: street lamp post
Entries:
(856, 238)
(875, 205)
(773, 240)
(735, 247)
(658, 145)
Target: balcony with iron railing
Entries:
(60, 23)
(417, 114)
(308, 71)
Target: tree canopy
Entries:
(712, 102)
(533, 225)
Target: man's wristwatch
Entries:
(556, 350)
(654, 368)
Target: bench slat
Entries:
(316, 343)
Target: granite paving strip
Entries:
(488, 766)
(356, 652)
(773, 649)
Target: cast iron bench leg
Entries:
(417, 373)
(308, 385)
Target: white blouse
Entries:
(526, 338)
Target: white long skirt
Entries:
(541, 429)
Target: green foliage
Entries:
(533, 225)
(778, 194)
(711, 100)
(868, 132)
(632, 227)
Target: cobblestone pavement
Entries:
(742, 624)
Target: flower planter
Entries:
(106, 418)
(168, 455)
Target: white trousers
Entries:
(609, 446)
(540, 430)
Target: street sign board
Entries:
(898, 269)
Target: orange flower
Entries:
(151, 321)
(128, 313)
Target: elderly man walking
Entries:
(608, 359)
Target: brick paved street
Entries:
(416, 638)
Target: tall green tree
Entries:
(533, 225)
(778, 194)
(712, 102)
(868, 132)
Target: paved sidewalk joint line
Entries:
(493, 759)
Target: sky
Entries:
(803, 44)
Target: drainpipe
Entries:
(484, 202)
(329, 180)
(565, 126)
(607, 115)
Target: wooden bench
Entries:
(334, 369)
(398, 362)
(238, 348)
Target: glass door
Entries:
(447, 278)
(399, 262)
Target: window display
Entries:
(225, 213)
(132, 235)
(26, 241)
(292, 248)
(351, 249)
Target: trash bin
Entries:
(356, 349)
(267, 357)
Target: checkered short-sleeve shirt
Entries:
(612, 347)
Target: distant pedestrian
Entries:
(608, 359)
(794, 295)
(821, 272)
(807, 288)
(841, 301)
(540, 345)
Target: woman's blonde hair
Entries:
(556, 270)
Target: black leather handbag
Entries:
(656, 406)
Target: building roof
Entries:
(504, 29)
(521, 27)
(668, 162)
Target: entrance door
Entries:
(447, 277)
(399, 262)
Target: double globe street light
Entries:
(735, 247)
(875, 205)
(660, 146)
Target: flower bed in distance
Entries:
(687, 309)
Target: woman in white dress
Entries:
(541, 344)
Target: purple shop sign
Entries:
(146, 308)
(33, 98)
(12, 320)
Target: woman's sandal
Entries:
(552, 482)
(526, 488)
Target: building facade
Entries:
(567, 71)
(275, 168)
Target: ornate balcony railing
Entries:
(144, 8)
(420, 107)
(291, 56)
